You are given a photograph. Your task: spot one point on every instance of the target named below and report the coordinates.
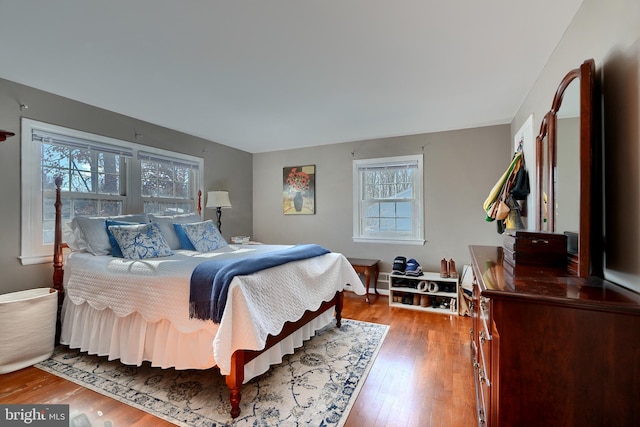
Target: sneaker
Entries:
(399, 265)
(413, 268)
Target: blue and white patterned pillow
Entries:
(140, 241)
(204, 236)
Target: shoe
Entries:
(444, 268)
(399, 265)
(413, 268)
(452, 269)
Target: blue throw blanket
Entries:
(210, 280)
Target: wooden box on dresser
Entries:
(553, 350)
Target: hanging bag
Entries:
(492, 201)
(521, 189)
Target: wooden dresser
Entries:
(553, 350)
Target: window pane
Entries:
(372, 211)
(391, 183)
(371, 225)
(404, 209)
(108, 173)
(81, 159)
(165, 171)
(81, 182)
(49, 175)
(165, 188)
(148, 169)
(48, 208)
(388, 209)
(85, 207)
(182, 190)
(55, 155)
(110, 207)
(167, 208)
(174, 208)
(108, 184)
(149, 188)
(387, 224)
(151, 207)
(404, 224)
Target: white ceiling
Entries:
(264, 75)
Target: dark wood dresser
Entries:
(551, 349)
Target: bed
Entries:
(139, 310)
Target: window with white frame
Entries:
(101, 176)
(388, 202)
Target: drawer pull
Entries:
(543, 241)
(483, 378)
(476, 365)
(483, 337)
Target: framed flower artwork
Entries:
(299, 190)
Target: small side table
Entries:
(368, 267)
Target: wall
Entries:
(609, 32)
(460, 168)
(224, 168)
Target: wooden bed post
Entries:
(339, 304)
(234, 381)
(58, 272)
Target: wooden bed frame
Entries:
(240, 357)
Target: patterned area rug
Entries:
(316, 385)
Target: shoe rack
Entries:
(427, 292)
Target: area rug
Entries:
(317, 385)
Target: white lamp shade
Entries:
(218, 199)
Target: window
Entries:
(166, 184)
(388, 200)
(100, 177)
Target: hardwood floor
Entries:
(422, 376)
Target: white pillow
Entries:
(93, 234)
(167, 229)
(204, 236)
(140, 241)
(72, 236)
(93, 231)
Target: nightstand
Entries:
(368, 267)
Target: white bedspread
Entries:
(157, 291)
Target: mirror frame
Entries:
(579, 265)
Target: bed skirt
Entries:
(133, 340)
